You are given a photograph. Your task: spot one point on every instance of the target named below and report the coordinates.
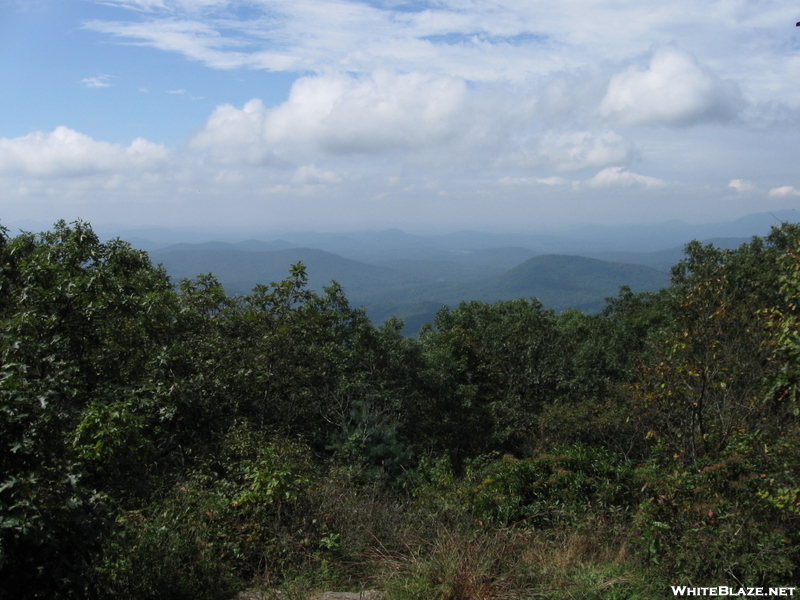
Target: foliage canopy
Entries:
(164, 440)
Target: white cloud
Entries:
(533, 180)
(570, 94)
(340, 114)
(136, 4)
(101, 81)
(585, 149)
(784, 191)
(65, 152)
(310, 174)
(569, 151)
(367, 114)
(742, 185)
(744, 42)
(177, 92)
(230, 177)
(620, 177)
(232, 135)
(197, 40)
(672, 90)
(501, 40)
(165, 5)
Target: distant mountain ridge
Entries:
(241, 270)
(576, 274)
(396, 273)
(664, 260)
(390, 244)
(559, 282)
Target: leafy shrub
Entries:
(601, 423)
(179, 548)
(711, 524)
(276, 525)
(562, 484)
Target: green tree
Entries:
(81, 323)
(718, 498)
(491, 369)
(705, 383)
(602, 353)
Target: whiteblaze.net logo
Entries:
(723, 590)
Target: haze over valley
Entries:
(393, 273)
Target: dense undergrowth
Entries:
(164, 442)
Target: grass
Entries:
(412, 550)
(482, 563)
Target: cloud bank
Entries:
(67, 153)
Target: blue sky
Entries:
(341, 114)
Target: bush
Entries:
(179, 549)
(710, 524)
(558, 486)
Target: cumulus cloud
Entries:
(65, 152)
(784, 191)
(672, 90)
(742, 185)
(620, 177)
(340, 114)
(504, 96)
(232, 135)
(366, 114)
(307, 180)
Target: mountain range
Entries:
(411, 276)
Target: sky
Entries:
(423, 115)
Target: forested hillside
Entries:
(164, 441)
(417, 289)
